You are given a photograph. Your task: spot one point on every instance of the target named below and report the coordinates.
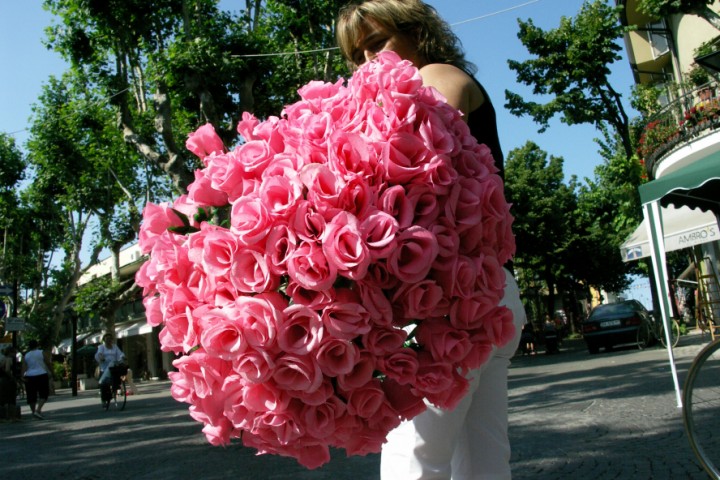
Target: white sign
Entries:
(14, 324)
(5, 290)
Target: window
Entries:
(658, 38)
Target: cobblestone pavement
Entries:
(573, 415)
(613, 415)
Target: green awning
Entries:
(696, 185)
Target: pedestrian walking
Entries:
(36, 370)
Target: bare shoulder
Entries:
(459, 88)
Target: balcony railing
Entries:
(686, 119)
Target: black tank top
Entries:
(483, 126)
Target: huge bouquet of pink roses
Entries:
(335, 270)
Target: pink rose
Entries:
(419, 300)
(254, 366)
(469, 313)
(226, 176)
(448, 398)
(448, 244)
(219, 248)
(394, 201)
(280, 245)
(320, 395)
(476, 162)
(297, 372)
(361, 373)
(379, 276)
(402, 399)
(404, 157)
(315, 89)
(156, 220)
(379, 230)
(345, 318)
(314, 299)
(221, 336)
(401, 366)
(414, 255)
(300, 330)
(460, 280)
(465, 203)
(320, 419)
(153, 314)
(441, 175)
(253, 156)
(259, 317)
(250, 273)
(309, 267)
(498, 326)
(425, 202)
(307, 223)
(382, 341)
(433, 376)
(250, 220)
(264, 397)
(491, 276)
(323, 188)
(337, 357)
(444, 342)
(344, 247)
(280, 195)
(202, 192)
(365, 401)
(376, 303)
(356, 197)
(204, 141)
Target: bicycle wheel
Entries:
(701, 407)
(674, 334)
(643, 335)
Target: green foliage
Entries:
(572, 67)
(97, 297)
(542, 206)
(663, 8)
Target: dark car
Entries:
(614, 324)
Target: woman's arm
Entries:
(458, 88)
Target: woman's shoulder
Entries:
(446, 71)
(459, 87)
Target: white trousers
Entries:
(471, 441)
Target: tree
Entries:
(171, 65)
(572, 66)
(84, 176)
(664, 8)
(542, 206)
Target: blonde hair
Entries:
(436, 43)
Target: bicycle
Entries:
(116, 392)
(654, 330)
(701, 407)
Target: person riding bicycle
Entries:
(107, 355)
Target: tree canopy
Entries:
(571, 66)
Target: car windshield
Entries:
(613, 308)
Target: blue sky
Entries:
(489, 42)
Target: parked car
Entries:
(614, 324)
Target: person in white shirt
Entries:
(35, 371)
(108, 355)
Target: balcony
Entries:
(681, 132)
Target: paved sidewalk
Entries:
(612, 415)
(573, 415)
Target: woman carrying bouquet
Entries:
(469, 442)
